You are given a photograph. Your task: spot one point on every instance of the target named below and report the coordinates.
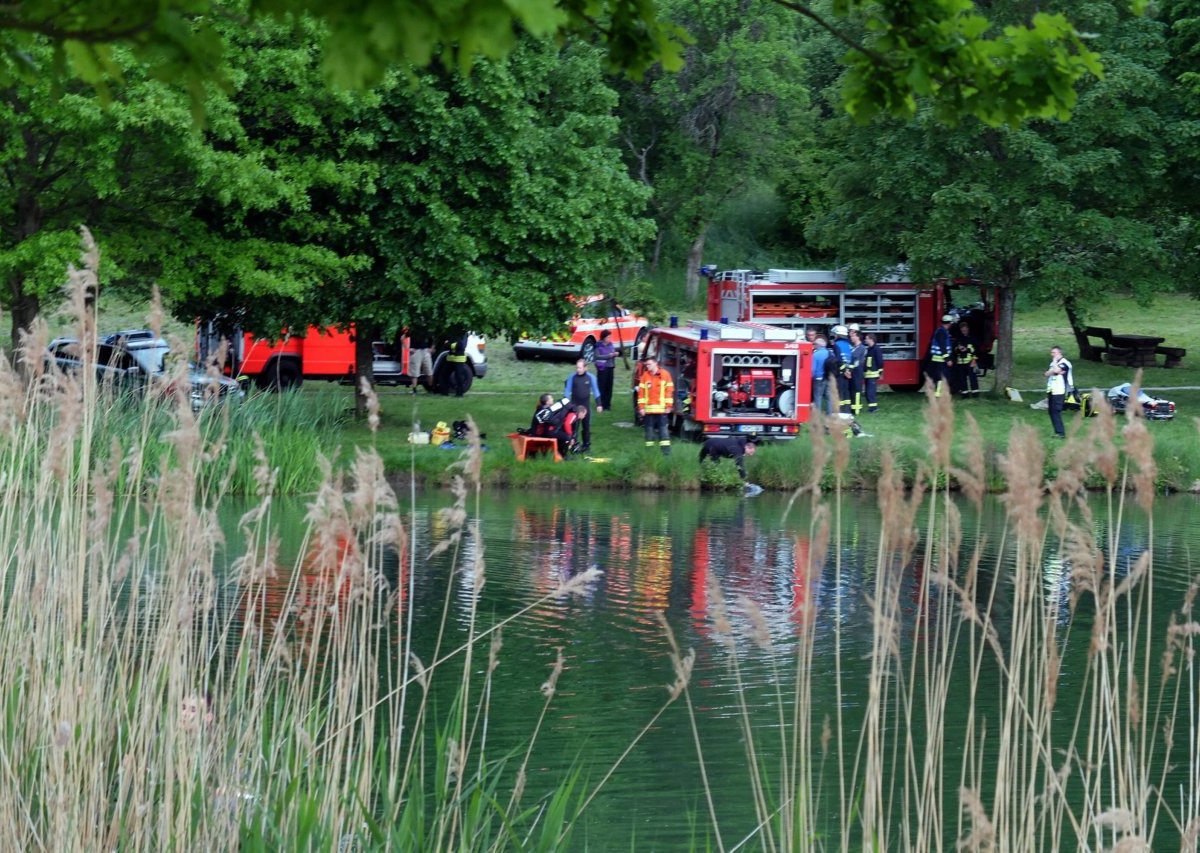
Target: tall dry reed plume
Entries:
(1097, 767)
(156, 700)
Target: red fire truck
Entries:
(902, 315)
(735, 378)
(323, 354)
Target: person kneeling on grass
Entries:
(736, 447)
(567, 429)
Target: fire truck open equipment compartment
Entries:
(735, 378)
(901, 314)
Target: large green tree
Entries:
(943, 51)
(198, 213)
(1060, 210)
(732, 115)
(499, 194)
(450, 201)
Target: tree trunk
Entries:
(694, 260)
(1007, 296)
(25, 309)
(1087, 352)
(364, 367)
(657, 255)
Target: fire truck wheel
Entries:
(588, 351)
(441, 376)
(283, 375)
(638, 341)
(905, 389)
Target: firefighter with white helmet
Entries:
(842, 351)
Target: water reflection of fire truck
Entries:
(735, 378)
(902, 315)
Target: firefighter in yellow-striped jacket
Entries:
(655, 400)
(872, 370)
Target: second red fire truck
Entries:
(900, 313)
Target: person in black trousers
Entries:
(460, 370)
(581, 389)
(1059, 382)
(736, 447)
(606, 365)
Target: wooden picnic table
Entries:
(1133, 350)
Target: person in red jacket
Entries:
(655, 401)
(567, 430)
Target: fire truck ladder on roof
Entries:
(722, 331)
(743, 331)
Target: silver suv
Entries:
(133, 358)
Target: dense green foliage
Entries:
(735, 113)
(945, 50)
(479, 201)
(1064, 210)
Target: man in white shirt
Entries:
(1058, 382)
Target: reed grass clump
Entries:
(155, 700)
(1106, 771)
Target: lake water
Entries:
(659, 552)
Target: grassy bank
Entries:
(505, 400)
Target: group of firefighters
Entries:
(953, 358)
(847, 367)
(852, 364)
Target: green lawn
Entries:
(505, 400)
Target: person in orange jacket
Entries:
(655, 400)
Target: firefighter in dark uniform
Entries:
(857, 366)
(872, 370)
(736, 447)
(966, 380)
(460, 370)
(842, 350)
(941, 354)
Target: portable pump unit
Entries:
(743, 388)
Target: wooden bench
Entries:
(1173, 355)
(1092, 352)
(526, 445)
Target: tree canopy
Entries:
(945, 52)
(1058, 210)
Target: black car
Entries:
(115, 366)
(132, 361)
